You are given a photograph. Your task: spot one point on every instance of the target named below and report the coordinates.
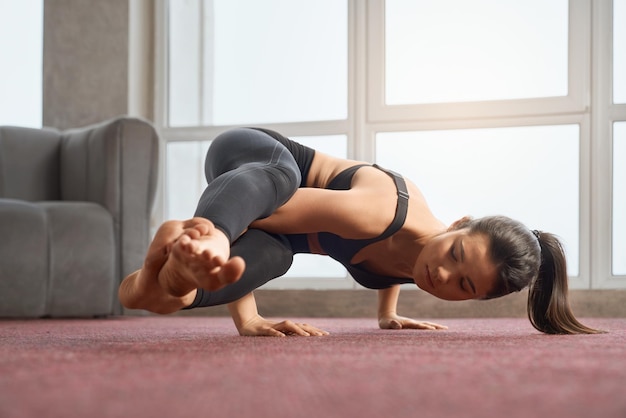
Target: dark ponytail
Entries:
(548, 305)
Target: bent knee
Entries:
(287, 179)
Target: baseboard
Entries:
(415, 303)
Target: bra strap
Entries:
(402, 206)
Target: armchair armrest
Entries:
(115, 164)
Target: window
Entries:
(495, 97)
(21, 45)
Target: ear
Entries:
(459, 223)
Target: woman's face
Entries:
(456, 266)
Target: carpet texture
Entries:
(199, 367)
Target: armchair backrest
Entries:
(29, 163)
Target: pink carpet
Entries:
(199, 367)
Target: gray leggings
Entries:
(249, 174)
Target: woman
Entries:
(269, 197)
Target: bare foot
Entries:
(199, 258)
(141, 289)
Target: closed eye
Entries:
(465, 286)
(470, 285)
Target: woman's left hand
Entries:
(393, 321)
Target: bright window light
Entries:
(21, 49)
(440, 51)
(251, 62)
(619, 51)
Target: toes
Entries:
(232, 270)
(197, 231)
(184, 248)
(185, 242)
(192, 233)
(204, 229)
(198, 222)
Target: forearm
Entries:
(341, 212)
(243, 311)
(388, 301)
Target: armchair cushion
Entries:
(23, 259)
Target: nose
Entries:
(444, 275)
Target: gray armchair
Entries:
(75, 212)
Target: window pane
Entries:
(262, 62)
(184, 63)
(21, 48)
(185, 180)
(456, 50)
(528, 173)
(313, 265)
(619, 198)
(619, 51)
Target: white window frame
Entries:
(587, 104)
(604, 114)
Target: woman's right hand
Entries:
(259, 326)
